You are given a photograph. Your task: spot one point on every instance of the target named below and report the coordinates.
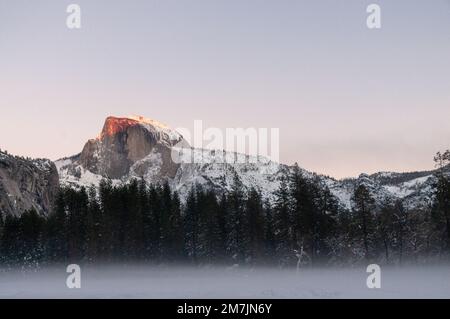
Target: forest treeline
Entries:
(302, 225)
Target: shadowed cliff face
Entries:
(27, 184)
(122, 142)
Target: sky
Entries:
(346, 99)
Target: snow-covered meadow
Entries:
(125, 281)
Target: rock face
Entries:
(122, 142)
(27, 184)
(134, 148)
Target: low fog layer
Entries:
(221, 282)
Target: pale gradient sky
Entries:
(346, 99)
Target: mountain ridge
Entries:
(155, 165)
(135, 147)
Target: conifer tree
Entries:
(77, 203)
(177, 229)
(442, 193)
(303, 213)
(167, 221)
(385, 229)
(94, 219)
(31, 236)
(269, 233)
(400, 228)
(11, 249)
(255, 225)
(282, 224)
(133, 220)
(153, 222)
(210, 232)
(326, 212)
(364, 202)
(147, 221)
(236, 241)
(107, 230)
(191, 224)
(57, 230)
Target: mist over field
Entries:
(138, 281)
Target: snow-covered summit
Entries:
(135, 147)
(114, 125)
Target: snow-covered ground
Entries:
(220, 282)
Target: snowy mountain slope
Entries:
(213, 174)
(414, 192)
(135, 147)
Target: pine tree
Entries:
(385, 229)
(326, 212)
(146, 219)
(191, 224)
(400, 228)
(442, 193)
(77, 206)
(210, 232)
(363, 207)
(312, 207)
(153, 223)
(57, 230)
(282, 224)
(255, 225)
(133, 220)
(269, 233)
(236, 241)
(107, 229)
(303, 213)
(222, 218)
(94, 220)
(165, 219)
(11, 249)
(391, 231)
(31, 237)
(177, 229)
